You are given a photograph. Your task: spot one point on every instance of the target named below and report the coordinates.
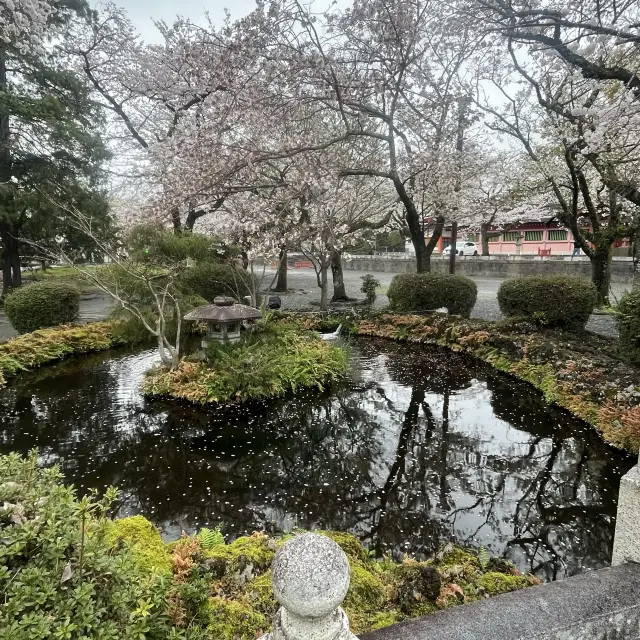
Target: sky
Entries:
(142, 12)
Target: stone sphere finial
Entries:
(310, 575)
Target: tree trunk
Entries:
(484, 238)
(175, 219)
(601, 274)
(324, 285)
(339, 290)
(283, 269)
(11, 271)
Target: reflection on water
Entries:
(419, 448)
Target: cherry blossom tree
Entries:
(392, 72)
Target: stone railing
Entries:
(310, 576)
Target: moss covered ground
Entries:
(233, 581)
(580, 372)
(46, 346)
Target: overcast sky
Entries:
(143, 11)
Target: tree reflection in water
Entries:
(419, 448)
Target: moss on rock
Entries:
(417, 583)
(494, 583)
(366, 590)
(349, 544)
(247, 556)
(146, 543)
(234, 620)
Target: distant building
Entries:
(536, 238)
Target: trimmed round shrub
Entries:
(628, 320)
(42, 305)
(209, 280)
(429, 291)
(555, 301)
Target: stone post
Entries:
(310, 576)
(626, 544)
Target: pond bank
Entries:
(579, 372)
(46, 346)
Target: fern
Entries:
(483, 557)
(210, 538)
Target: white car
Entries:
(462, 249)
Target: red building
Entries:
(536, 238)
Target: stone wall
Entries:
(600, 605)
(495, 266)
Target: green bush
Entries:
(209, 280)
(629, 326)
(42, 305)
(429, 291)
(60, 576)
(555, 301)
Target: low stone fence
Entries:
(310, 576)
(495, 266)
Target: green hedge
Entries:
(428, 291)
(555, 301)
(42, 305)
(629, 326)
(209, 280)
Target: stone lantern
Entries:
(224, 319)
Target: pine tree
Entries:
(50, 149)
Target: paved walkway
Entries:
(305, 294)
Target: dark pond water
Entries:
(421, 447)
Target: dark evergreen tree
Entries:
(51, 152)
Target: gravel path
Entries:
(305, 295)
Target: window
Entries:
(472, 237)
(511, 236)
(558, 235)
(533, 236)
(494, 239)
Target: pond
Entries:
(420, 447)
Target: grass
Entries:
(68, 275)
(277, 359)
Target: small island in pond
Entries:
(245, 360)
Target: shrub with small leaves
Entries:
(628, 320)
(430, 291)
(42, 305)
(369, 285)
(61, 576)
(565, 302)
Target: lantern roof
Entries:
(223, 309)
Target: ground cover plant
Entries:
(66, 566)
(274, 360)
(32, 350)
